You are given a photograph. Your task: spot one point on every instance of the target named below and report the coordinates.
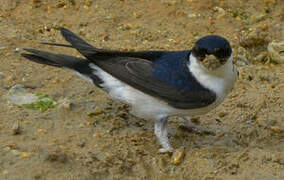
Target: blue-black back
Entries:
(172, 69)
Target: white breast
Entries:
(221, 81)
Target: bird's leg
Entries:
(190, 126)
(162, 134)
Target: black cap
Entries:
(212, 45)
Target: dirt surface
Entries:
(89, 136)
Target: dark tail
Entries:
(57, 60)
(78, 43)
(94, 54)
(79, 65)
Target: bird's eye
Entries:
(222, 60)
(201, 58)
(201, 54)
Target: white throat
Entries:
(221, 80)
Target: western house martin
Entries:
(156, 84)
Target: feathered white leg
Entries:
(162, 134)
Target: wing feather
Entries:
(138, 74)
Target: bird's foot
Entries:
(196, 129)
(166, 150)
(191, 127)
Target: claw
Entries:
(190, 126)
(164, 150)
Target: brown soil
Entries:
(67, 143)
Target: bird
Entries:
(157, 84)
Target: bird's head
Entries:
(212, 51)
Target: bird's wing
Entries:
(138, 73)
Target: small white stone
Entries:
(276, 51)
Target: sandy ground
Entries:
(93, 137)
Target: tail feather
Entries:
(58, 60)
(80, 66)
(95, 54)
(40, 60)
(57, 44)
(78, 43)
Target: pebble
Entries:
(15, 152)
(61, 4)
(278, 158)
(281, 86)
(242, 63)
(18, 95)
(222, 114)
(276, 129)
(276, 52)
(233, 166)
(281, 159)
(17, 49)
(5, 172)
(16, 129)
(36, 1)
(72, 2)
(2, 75)
(267, 157)
(261, 56)
(258, 17)
(178, 156)
(95, 111)
(269, 1)
(242, 56)
(208, 177)
(262, 122)
(221, 12)
(25, 155)
(65, 104)
(41, 131)
(253, 38)
(89, 106)
(191, 15)
(88, 3)
(55, 156)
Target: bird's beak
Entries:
(212, 63)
